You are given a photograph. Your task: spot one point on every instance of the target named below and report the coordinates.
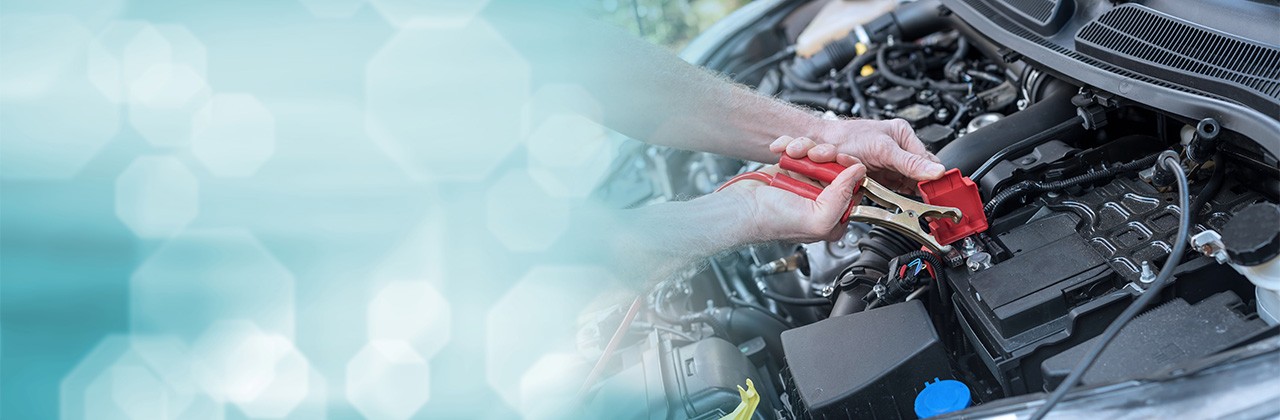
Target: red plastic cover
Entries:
(954, 190)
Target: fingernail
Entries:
(935, 169)
(776, 143)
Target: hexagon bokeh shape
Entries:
(444, 103)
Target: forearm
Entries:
(673, 103)
(655, 242)
(649, 94)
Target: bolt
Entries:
(968, 247)
(828, 291)
(1148, 275)
(979, 261)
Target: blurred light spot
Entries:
(199, 277)
(143, 377)
(333, 9)
(523, 216)
(163, 102)
(156, 196)
(523, 319)
(185, 49)
(233, 134)
(36, 50)
(559, 98)
(388, 380)
(124, 51)
(288, 387)
(428, 12)
(52, 120)
(445, 103)
(261, 373)
(412, 312)
(548, 388)
(569, 155)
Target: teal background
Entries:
(153, 242)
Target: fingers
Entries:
(779, 145)
(915, 166)
(800, 147)
(847, 160)
(906, 138)
(834, 200)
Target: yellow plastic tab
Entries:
(747, 408)
(867, 69)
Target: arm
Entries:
(654, 242)
(650, 94)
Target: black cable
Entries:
(795, 80)
(792, 300)
(776, 57)
(1023, 146)
(882, 66)
(851, 71)
(1211, 188)
(1024, 188)
(1162, 279)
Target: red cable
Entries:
(754, 176)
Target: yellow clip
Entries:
(866, 70)
(747, 408)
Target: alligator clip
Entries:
(900, 214)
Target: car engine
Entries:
(1061, 113)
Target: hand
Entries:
(781, 215)
(892, 153)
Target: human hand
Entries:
(782, 215)
(892, 153)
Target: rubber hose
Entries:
(817, 100)
(970, 151)
(835, 52)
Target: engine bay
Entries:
(1082, 220)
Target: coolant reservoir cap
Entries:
(941, 397)
(1252, 236)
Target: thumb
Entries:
(834, 199)
(915, 166)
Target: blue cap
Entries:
(941, 397)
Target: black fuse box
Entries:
(867, 365)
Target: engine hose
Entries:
(971, 150)
(954, 63)
(876, 248)
(790, 77)
(1024, 188)
(1211, 188)
(817, 100)
(882, 66)
(851, 72)
(835, 52)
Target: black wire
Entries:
(799, 82)
(882, 66)
(1210, 189)
(1162, 279)
(792, 300)
(776, 57)
(1028, 187)
(1022, 146)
